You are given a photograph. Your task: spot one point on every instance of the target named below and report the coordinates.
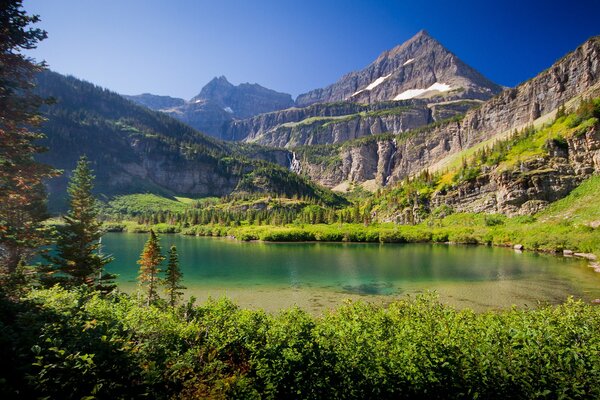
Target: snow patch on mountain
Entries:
(373, 84)
(412, 93)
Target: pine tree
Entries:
(149, 262)
(173, 278)
(22, 194)
(78, 259)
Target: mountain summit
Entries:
(244, 100)
(419, 68)
(218, 103)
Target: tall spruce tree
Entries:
(22, 194)
(172, 281)
(149, 262)
(78, 260)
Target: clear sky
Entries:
(174, 47)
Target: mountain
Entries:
(419, 68)
(415, 84)
(331, 123)
(217, 104)
(155, 102)
(550, 170)
(136, 150)
(412, 85)
(244, 100)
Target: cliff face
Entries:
(336, 130)
(252, 129)
(340, 122)
(419, 68)
(525, 190)
(387, 160)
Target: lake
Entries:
(319, 276)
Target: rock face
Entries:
(418, 68)
(204, 115)
(390, 159)
(218, 103)
(536, 183)
(530, 188)
(339, 122)
(155, 102)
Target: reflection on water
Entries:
(273, 275)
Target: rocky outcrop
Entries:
(340, 122)
(573, 75)
(252, 129)
(419, 68)
(387, 159)
(524, 190)
(532, 186)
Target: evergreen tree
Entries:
(22, 194)
(173, 278)
(78, 260)
(149, 262)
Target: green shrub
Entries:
(73, 344)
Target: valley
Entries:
(405, 229)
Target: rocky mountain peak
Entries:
(244, 100)
(421, 67)
(217, 88)
(218, 103)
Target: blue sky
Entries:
(174, 47)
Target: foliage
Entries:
(138, 204)
(149, 262)
(275, 180)
(73, 344)
(579, 207)
(77, 259)
(22, 194)
(173, 278)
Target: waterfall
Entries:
(295, 163)
(388, 169)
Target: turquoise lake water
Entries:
(318, 276)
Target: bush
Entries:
(73, 344)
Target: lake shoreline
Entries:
(566, 253)
(262, 273)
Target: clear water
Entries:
(318, 276)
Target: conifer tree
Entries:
(78, 260)
(149, 263)
(22, 194)
(173, 278)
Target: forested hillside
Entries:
(136, 150)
